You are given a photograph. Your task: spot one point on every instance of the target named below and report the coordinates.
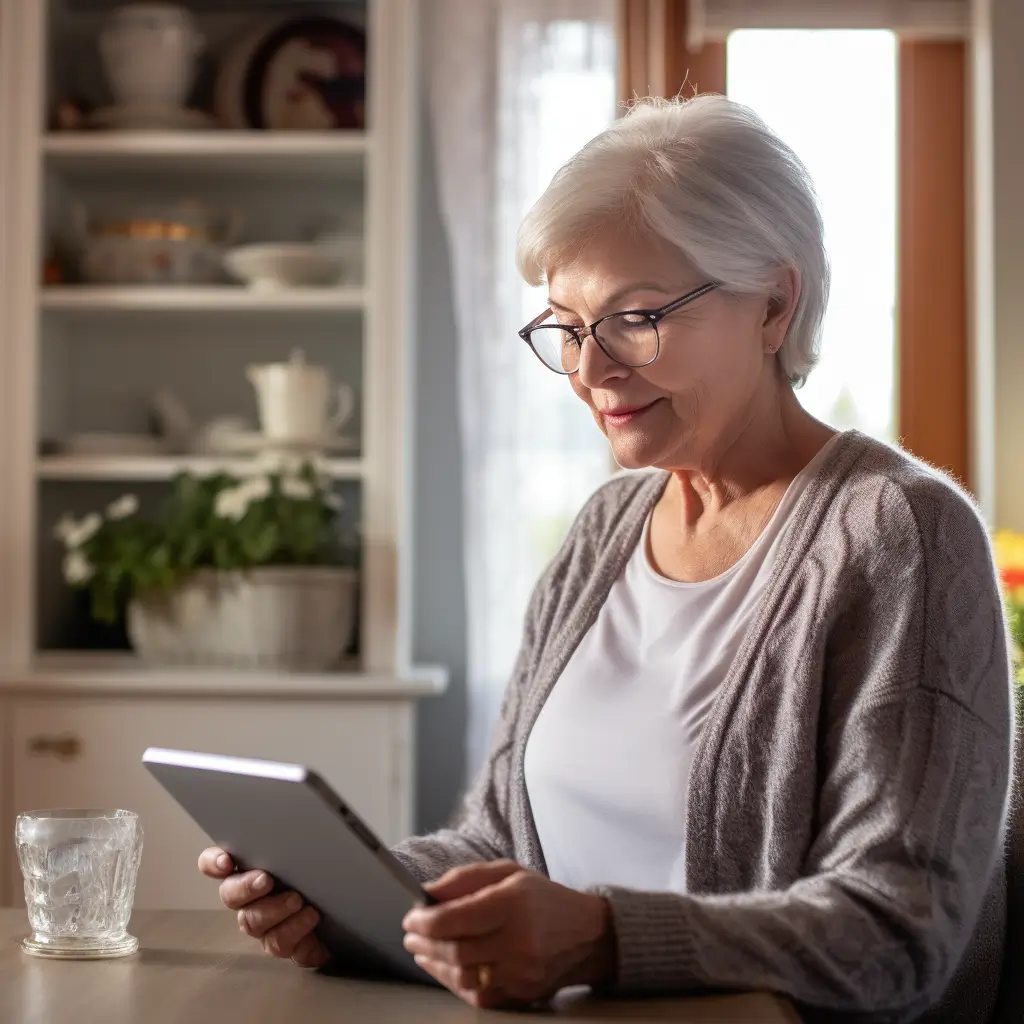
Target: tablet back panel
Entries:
(285, 820)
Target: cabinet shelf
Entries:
(161, 467)
(248, 153)
(96, 672)
(186, 298)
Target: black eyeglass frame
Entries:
(654, 317)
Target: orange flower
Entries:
(1013, 580)
(1009, 552)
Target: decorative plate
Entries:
(295, 74)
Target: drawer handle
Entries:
(67, 747)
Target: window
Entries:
(833, 97)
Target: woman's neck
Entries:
(755, 461)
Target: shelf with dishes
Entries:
(204, 245)
(75, 298)
(189, 150)
(169, 68)
(304, 416)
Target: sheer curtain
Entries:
(514, 87)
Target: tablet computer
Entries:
(285, 820)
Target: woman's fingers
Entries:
(464, 982)
(281, 921)
(260, 916)
(310, 952)
(471, 953)
(452, 978)
(215, 863)
(283, 940)
(475, 915)
(240, 890)
(469, 878)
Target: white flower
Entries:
(299, 490)
(256, 488)
(77, 534)
(232, 504)
(65, 528)
(125, 506)
(78, 570)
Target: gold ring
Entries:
(483, 976)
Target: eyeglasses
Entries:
(630, 338)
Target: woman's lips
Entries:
(624, 414)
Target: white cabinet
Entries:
(85, 752)
(78, 358)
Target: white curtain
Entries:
(515, 87)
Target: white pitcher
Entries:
(149, 53)
(294, 401)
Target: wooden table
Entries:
(193, 967)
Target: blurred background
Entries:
(279, 474)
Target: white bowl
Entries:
(284, 265)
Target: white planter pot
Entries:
(296, 619)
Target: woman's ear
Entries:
(780, 309)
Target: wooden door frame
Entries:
(931, 308)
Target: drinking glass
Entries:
(79, 868)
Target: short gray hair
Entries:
(708, 176)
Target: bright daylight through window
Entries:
(832, 96)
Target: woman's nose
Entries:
(596, 366)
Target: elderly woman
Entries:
(758, 735)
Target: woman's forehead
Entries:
(604, 276)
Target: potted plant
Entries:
(240, 572)
(1009, 548)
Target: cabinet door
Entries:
(87, 753)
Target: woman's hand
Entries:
(282, 922)
(531, 935)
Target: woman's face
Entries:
(714, 371)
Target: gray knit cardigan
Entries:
(849, 790)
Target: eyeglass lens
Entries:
(628, 338)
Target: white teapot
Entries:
(294, 401)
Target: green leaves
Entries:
(261, 543)
(222, 522)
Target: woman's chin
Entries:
(632, 454)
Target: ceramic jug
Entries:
(294, 400)
(149, 54)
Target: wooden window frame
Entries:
(931, 308)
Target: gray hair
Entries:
(708, 176)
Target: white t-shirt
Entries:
(608, 760)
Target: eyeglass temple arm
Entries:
(534, 323)
(690, 297)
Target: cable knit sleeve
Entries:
(914, 763)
